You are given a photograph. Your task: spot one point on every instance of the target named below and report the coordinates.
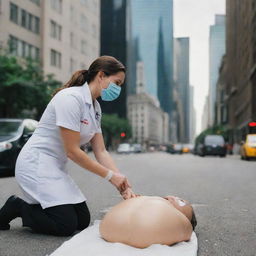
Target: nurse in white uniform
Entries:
(52, 202)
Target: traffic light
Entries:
(252, 127)
(122, 134)
(252, 124)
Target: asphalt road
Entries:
(222, 191)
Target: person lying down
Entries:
(145, 220)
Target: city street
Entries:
(222, 191)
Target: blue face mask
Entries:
(110, 93)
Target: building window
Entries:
(72, 40)
(23, 18)
(83, 23)
(94, 31)
(83, 47)
(72, 14)
(37, 2)
(23, 49)
(37, 25)
(71, 65)
(55, 58)
(23, 46)
(37, 53)
(13, 45)
(57, 5)
(27, 20)
(30, 21)
(14, 13)
(55, 30)
(83, 2)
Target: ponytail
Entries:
(77, 79)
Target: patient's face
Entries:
(180, 204)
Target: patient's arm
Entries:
(145, 220)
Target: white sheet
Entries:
(89, 243)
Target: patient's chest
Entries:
(143, 221)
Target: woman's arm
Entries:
(71, 141)
(100, 152)
(104, 158)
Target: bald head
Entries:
(184, 207)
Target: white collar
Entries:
(87, 93)
(88, 96)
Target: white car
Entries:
(124, 148)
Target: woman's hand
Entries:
(120, 182)
(128, 193)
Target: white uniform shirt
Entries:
(41, 165)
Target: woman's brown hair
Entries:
(107, 64)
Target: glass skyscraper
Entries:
(152, 33)
(217, 49)
(113, 42)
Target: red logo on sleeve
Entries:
(85, 121)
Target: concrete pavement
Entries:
(222, 191)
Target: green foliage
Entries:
(217, 129)
(113, 126)
(24, 91)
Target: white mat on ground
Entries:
(88, 242)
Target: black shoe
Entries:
(10, 211)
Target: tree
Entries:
(112, 127)
(217, 129)
(24, 90)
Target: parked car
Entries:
(14, 133)
(248, 147)
(170, 149)
(178, 148)
(124, 148)
(212, 145)
(187, 148)
(175, 148)
(136, 148)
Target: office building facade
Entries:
(217, 48)
(240, 86)
(114, 43)
(151, 26)
(148, 121)
(62, 35)
(181, 78)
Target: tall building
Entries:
(217, 49)
(192, 115)
(113, 42)
(240, 86)
(63, 35)
(148, 121)
(163, 92)
(221, 113)
(205, 114)
(152, 24)
(181, 78)
(177, 118)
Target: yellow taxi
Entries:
(248, 148)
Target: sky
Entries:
(192, 18)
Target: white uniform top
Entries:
(41, 165)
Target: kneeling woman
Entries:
(53, 203)
(147, 220)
